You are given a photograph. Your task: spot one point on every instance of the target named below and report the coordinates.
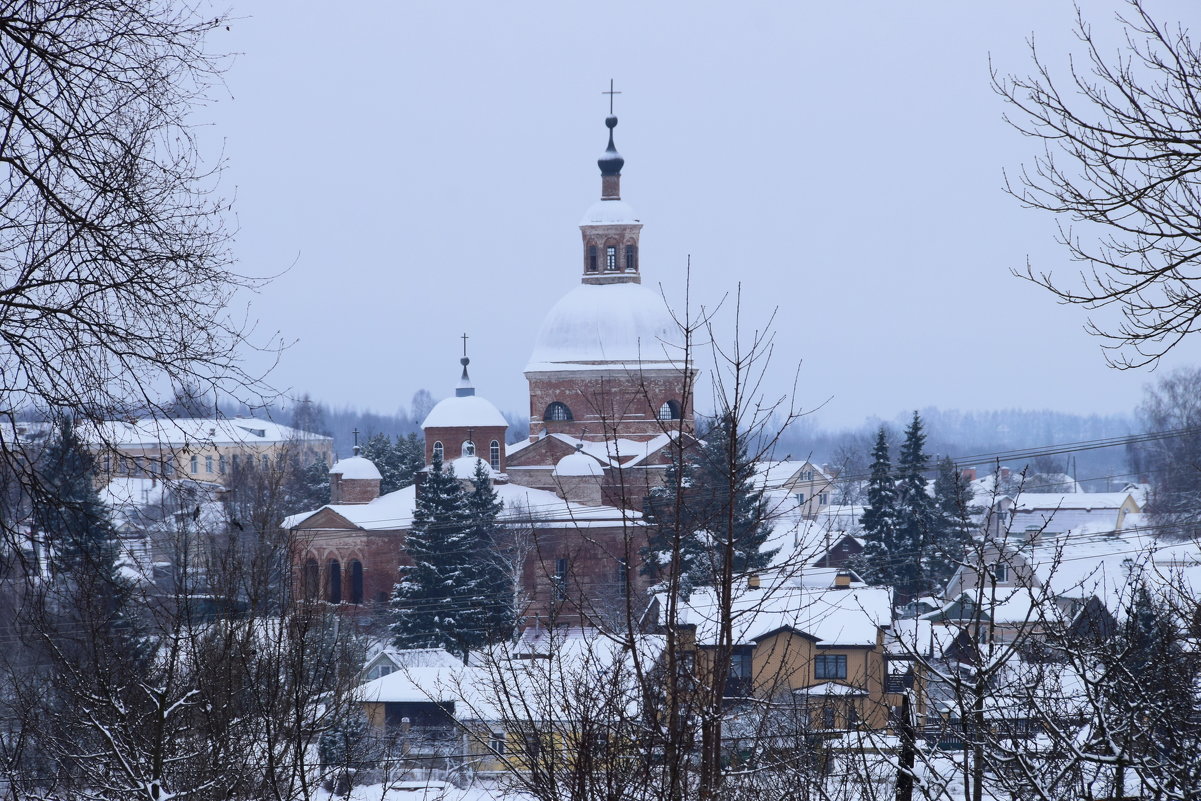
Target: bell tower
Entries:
(609, 229)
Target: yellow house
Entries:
(203, 449)
(809, 485)
(815, 655)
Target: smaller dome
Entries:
(464, 467)
(356, 467)
(464, 411)
(578, 464)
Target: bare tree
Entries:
(1121, 156)
(113, 250)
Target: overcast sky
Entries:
(417, 170)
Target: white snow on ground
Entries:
(423, 791)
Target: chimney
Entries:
(969, 474)
(842, 580)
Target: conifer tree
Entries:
(707, 503)
(674, 533)
(428, 601)
(488, 590)
(917, 516)
(953, 500)
(879, 519)
(67, 510)
(398, 460)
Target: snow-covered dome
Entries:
(356, 467)
(464, 466)
(597, 323)
(610, 212)
(578, 464)
(464, 411)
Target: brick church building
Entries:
(610, 400)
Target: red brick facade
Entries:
(452, 440)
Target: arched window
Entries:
(670, 410)
(335, 581)
(611, 258)
(208, 464)
(310, 580)
(438, 453)
(631, 258)
(558, 412)
(592, 258)
(469, 448)
(494, 455)
(356, 582)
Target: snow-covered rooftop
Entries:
(542, 508)
(834, 617)
(153, 433)
(578, 464)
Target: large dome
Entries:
(595, 324)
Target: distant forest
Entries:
(951, 432)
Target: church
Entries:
(610, 397)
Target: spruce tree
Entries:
(953, 534)
(488, 590)
(917, 516)
(879, 519)
(398, 460)
(674, 534)
(707, 506)
(67, 510)
(426, 602)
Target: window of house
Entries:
(557, 412)
(830, 666)
(828, 721)
(740, 665)
(208, 464)
(1000, 572)
(670, 410)
(631, 258)
(195, 465)
(235, 458)
(438, 452)
(108, 463)
(311, 579)
(592, 258)
(221, 464)
(266, 462)
(611, 258)
(496, 743)
(494, 454)
(823, 498)
(800, 497)
(356, 582)
(380, 670)
(335, 581)
(560, 579)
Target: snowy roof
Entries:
(834, 617)
(152, 433)
(578, 464)
(544, 509)
(829, 688)
(609, 212)
(619, 452)
(356, 467)
(605, 325)
(463, 412)
(771, 475)
(1028, 501)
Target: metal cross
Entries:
(464, 338)
(610, 93)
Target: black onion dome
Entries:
(611, 162)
